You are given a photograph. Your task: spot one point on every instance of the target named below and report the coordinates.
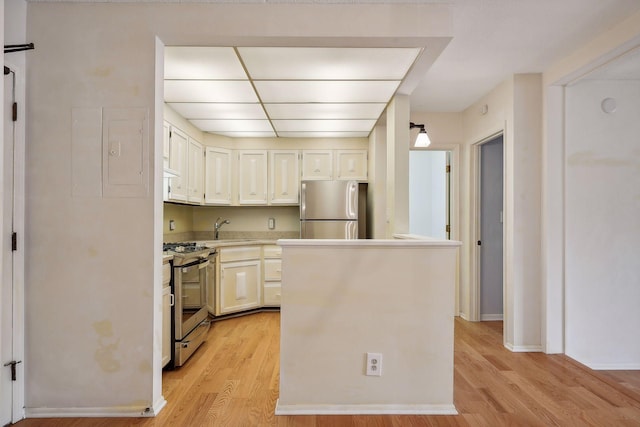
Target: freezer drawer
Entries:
(329, 229)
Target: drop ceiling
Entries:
(284, 91)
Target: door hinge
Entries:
(14, 241)
(448, 228)
(170, 133)
(13, 364)
(479, 243)
(14, 113)
(448, 169)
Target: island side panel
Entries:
(339, 303)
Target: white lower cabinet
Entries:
(167, 302)
(240, 282)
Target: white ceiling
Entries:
(493, 39)
(284, 91)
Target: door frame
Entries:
(18, 212)
(474, 294)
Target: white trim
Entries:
(523, 348)
(157, 406)
(18, 213)
(98, 412)
(365, 409)
(463, 316)
(474, 175)
(613, 366)
(491, 317)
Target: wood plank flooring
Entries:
(233, 381)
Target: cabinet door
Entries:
(166, 325)
(284, 179)
(240, 286)
(217, 171)
(178, 162)
(194, 172)
(252, 177)
(351, 164)
(317, 164)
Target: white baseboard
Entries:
(523, 348)
(613, 366)
(106, 412)
(158, 405)
(365, 409)
(491, 317)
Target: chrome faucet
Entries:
(218, 225)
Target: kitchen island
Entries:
(342, 299)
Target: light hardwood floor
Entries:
(233, 381)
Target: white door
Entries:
(11, 366)
(429, 188)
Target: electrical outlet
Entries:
(373, 366)
(271, 223)
(172, 225)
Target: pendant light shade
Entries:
(423, 139)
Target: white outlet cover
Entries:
(373, 365)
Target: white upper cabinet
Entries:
(317, 164)
(178, 162)
(195, 172)
(217, 182)
(351, 164)
(284, 177)
(252, 177)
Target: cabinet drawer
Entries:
(239, 253)
(272, 251)
(272, 294)
(273, 269)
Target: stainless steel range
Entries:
(193, 269)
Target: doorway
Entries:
(430, 193)
(490, 220)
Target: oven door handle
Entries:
(203, 265)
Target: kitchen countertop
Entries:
(235, 242)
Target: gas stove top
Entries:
(185, 252)
(182, 247)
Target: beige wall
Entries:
(515, 108)
(247, 218)
(101, 356)
(592, 55)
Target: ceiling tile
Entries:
(320, 63)
(202, 63)
(325, 111)
(323, 134)
(233, 134)
(208, 91)
(207, 110)
(323, 125)
(219, 125)
(326, 91)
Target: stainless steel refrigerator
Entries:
(333, 210)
